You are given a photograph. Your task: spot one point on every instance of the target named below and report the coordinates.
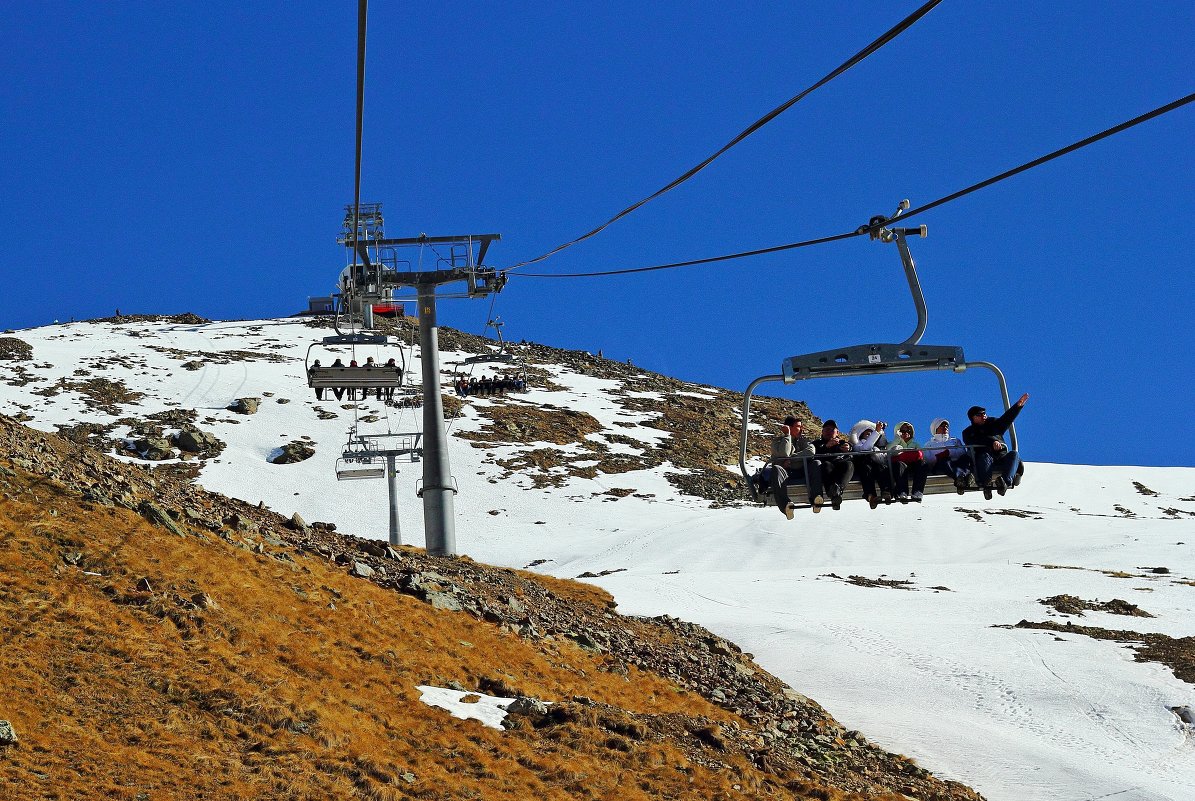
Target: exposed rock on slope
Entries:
(731, 727)
(16, 350)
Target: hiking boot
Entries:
(960, 484)
(816, 503)
(903, 497)
(788, 511)
(987, 491)
(917, 497)
(836, 501)
(886, 496)
(873, 501)
(1001, 485)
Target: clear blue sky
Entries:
(165, 157)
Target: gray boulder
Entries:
(8, 735)
(192, 440)
(154, 448)
(245, 405)
(292, 452)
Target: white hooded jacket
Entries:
(866, 444)
(938, 443)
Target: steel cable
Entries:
(887, 37)
(867, 229)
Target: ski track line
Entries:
(991, 695)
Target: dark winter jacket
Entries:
(836, 445)
(991, 430)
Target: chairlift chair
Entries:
(375, 377)
(359, 460)
(873, 359)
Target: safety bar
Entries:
(851, 455)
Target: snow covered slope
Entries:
(894, 619)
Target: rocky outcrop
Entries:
(17, 350)
(191, 440)
(8, 735)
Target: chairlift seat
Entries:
(380, 377)
(935, 484)
(356, 473)
(938, 484)
(357, 339)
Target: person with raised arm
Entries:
(995, 465)
(871, 463)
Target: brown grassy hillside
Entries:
(236, 658)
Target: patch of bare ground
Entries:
(155, 631)
(1073, 605)
(198, 358)
(14, 349)
(105, 394)
(863, 581)
(1142, 489)
(186, 318)
(970, 513)
(1176, 653)
(1144, 572)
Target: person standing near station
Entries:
(995, 465)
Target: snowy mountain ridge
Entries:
(607, 471)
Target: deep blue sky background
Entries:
(170, 157)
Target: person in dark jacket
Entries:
(995, 465)
(837, 467)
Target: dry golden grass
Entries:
(298, 682)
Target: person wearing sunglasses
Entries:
(995, 465)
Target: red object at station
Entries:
(389, 309)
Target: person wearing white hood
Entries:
(871, 465)
(947, 455)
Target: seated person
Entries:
(836, 467)
(995, 465)
(907, 460)
(947, 455)
(788, 467)
(319, 391)
(871, 464)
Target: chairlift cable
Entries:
(868, 229)
(884, 39)
(358, 247)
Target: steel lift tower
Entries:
(457, 260)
